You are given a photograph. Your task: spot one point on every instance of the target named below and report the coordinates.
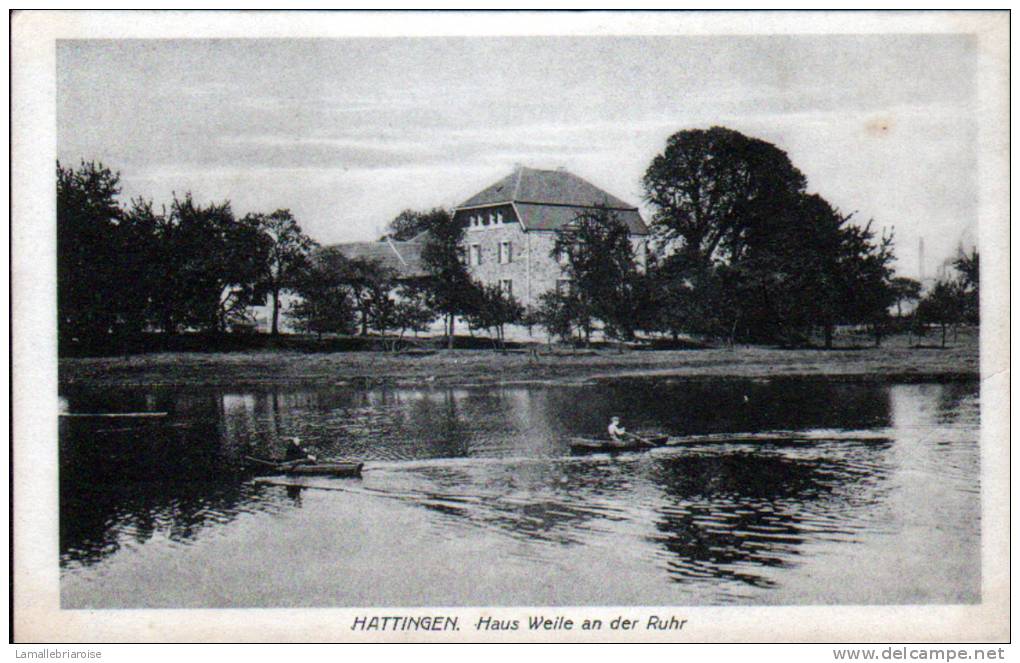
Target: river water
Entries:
(787, 491)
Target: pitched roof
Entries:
(552, 217)
(550, 199)
(550, 187)
(402, 257)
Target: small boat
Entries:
(314, 469)
(590, 446)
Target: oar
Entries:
(276, 463)
(646, 442)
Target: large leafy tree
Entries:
(690, 296)
(599, 261)
(90, 288)
(287, 253)
(370, 284)
(141, 269)
(714, 191)
(213, 265)
(325, 305)
(748, 253)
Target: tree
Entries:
(88, 251)
(451, 290)
(141, 269)
(866, 270)
(288, 253)
(600, 265)
(942, 306)
(904, 289)
(954, 300)
(968, 266)
(494, 310)
(715, 190)
(559, 313)
(370, 283)
(325, 305)
(748, 253)
(412, 309)
(213, 265)
(691, 296)
(412, 223)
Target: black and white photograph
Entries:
(465, 330)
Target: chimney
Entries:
(920, 259)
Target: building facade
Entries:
(509, 234)
(510, 228)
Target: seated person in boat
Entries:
(617, 433)
(296, 453)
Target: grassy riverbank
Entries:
(895, 360)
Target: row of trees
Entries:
(122, 270)
(954, 299)
(742, 252)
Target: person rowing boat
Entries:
(618, 435)
(297, 454)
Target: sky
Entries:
(346, 133)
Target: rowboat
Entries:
(590, 446)
(299, 468)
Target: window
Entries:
(485, 219)
(507, 286)
(506, 255)
(562, 257)
(462, 255)
(476, 254)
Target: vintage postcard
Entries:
(510, 326)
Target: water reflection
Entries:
(780, 470)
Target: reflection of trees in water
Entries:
(726, 515)
(557, 501)
(958, 402)
(123, 480)
(679, 406)
(95, 523)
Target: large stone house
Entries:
(511, 228)
(510, 231)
